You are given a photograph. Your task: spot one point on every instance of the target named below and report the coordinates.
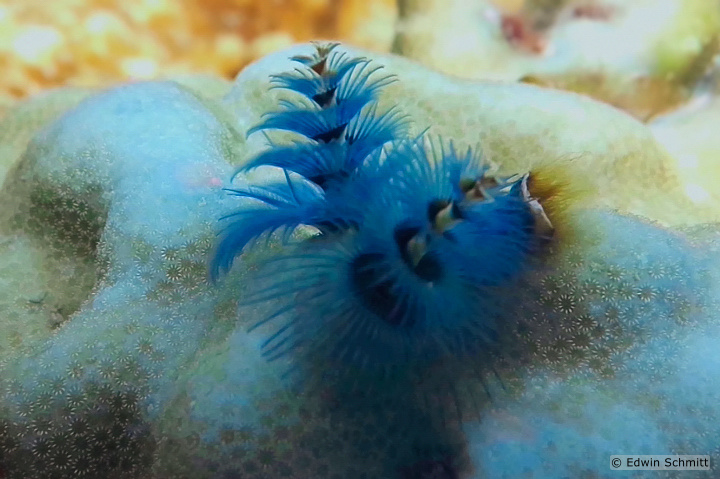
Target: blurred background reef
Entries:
(91, 43)
(646, 57)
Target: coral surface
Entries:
(121, 358)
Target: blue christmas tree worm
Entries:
(411, 241)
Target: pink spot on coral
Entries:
(194, 177)
(519, 34)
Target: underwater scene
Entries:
(412, 239)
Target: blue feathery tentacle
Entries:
(317, 123)
(324, 79)
(317, 60)
(370, 130)
(498, 234)
(362, 85)
(319, 86)
(321, 162)
(281, 206)
(413, 282)
(328, 121)
(340, 131)
(308, 159)
(465, 171)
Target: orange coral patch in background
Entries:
(98, 42)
